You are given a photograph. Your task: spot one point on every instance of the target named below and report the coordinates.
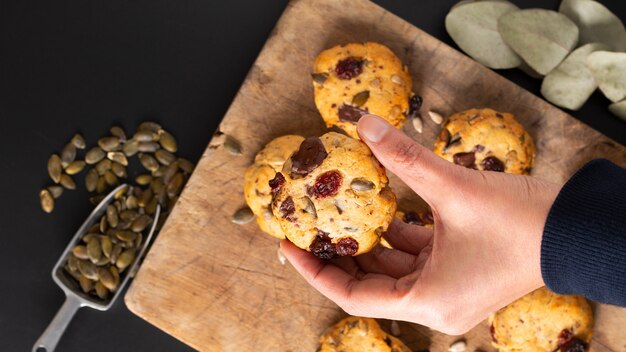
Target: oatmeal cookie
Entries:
(355, 334)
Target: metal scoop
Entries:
(74, 297)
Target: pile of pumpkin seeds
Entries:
(111, 245)
(576, 50)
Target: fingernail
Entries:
(373, 128)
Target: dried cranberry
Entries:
(465, 159)
(347, 246)
(322, 247)
(492, 332)
(326, 184)
(308, 157)
(491, 163)
(415, 103)
(349, 68)
(287, 208)
(413, 218)
(277, 182)
(574, 345)
(565, 336)
(350, 113)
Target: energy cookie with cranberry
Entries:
(356, 334)
(355, 79)
(484, 139)
(256, 188)
(543, 321)
(332, 197)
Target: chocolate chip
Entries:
(326, 184)
(415, 103)
(350, 113)
(574, 345)
(308, 157)
(287, 208)
(492, 332)
(347, 246)
(277, 182)
(465, 159)
(322, 247)
(411, 217)
(491, 163)
(349, 68)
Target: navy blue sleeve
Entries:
(583, 250)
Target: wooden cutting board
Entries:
(218, 286)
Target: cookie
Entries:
(485, 139)
(355, 79)
(543, 321)
(423, 218)
(354, 334)
(256, 189)
(332, 197)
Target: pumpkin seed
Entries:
(619, 109)
(395, 328)
(91, 235)
(118, 157)
(361, 184)
(116, 278)
(144, 136)
(46, 200)
(609, 70)
(458, 346)
(165, 157)
(75, 167)
(78, 141)
(146, 197)
(185, 165)
(55, 190)
(117, 250)
(168, 142)
(102, 226)
(148, 147)
(101, 185)
(88, 269)
(55, 168)
(456, 138)
(157, 186)
(281, 257)
(94, 251)
(397, 79)
(149, 162)
(131, 202)
(543, 38)
(72, 263)
(110, 178)
(67, 182)
(125, 259)
(143, 180)
(152, 206)
(107, 246)
(86, 285)
(232, 145)
(319, 78)
(129, 215)
(572, 83)
(361, 98)
(103, 166)
(107, 278)
(131, 147)
(417, 124)
(101, 290)
(126, 236)
(596, 23)
(112, 217)
(149, 126)
(175, 185)
(119, 170)
(310, 207)
(243, 216)
(109, 144)
(158, 172)
(435, 117)
(68, 154)
(141, 223)
(170, 171)
(94, 155)
(474, 28)
(119, 133)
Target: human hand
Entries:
(483, 254)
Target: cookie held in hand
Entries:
(332, 197)
(354, 79)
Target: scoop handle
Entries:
(48, 341)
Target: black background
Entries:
(82, 66)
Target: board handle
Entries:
(50, 338)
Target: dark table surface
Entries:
(82, 66)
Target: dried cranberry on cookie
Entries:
(485, 139)
(354, 79)
(332, 197)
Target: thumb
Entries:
(426, 173)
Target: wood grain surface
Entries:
(218, 286)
